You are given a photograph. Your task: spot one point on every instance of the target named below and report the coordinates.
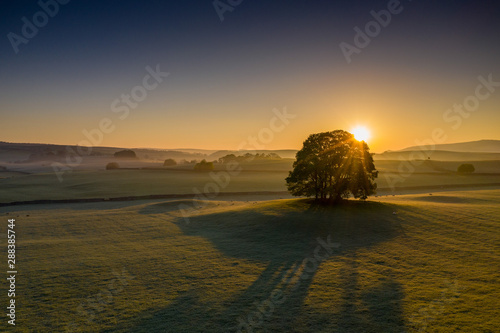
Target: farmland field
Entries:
(255, 177)
(394, 264)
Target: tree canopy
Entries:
(331, 166)
(112, 166)
(127, 153)
(204, 166)
(466, 168)
(169, 162)
(248, 157)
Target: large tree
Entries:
(331, 166)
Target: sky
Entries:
(233, 68)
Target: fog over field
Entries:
(47, 166)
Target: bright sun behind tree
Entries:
(361, 133)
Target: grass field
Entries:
(398, 264)
(123, 183)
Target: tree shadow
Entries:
(375, 309)
(285, 235)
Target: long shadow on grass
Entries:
(281, 235)
(376, 308)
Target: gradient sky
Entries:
(227, 77)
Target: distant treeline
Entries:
(248, 157)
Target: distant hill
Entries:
(436, 155)
(37, 152)
(481, 146)
(482, 150)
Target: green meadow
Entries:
(409, 263)
(254, 177)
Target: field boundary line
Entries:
(225, 194)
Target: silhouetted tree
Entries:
(112, 166)
(248, 157)
(127, 153)
(331, 166)
(228, 158)
(169, 162)
(466, 168)
(204, 166)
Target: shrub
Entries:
(127, 153)
(169, 162)
(112, 166)
(466, 168)
(204, 166)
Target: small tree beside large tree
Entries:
(332, 166)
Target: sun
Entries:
(361, 133)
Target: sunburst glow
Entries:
(361, 133)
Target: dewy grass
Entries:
(406, 263)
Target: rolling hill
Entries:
(483, 146)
